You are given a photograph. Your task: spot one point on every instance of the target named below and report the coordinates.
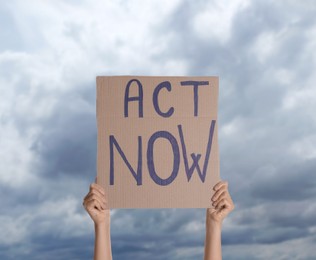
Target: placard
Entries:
(157, 140)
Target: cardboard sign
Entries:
(157, 141)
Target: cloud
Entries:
(264, 55)
(217, 15)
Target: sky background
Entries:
(263, 52)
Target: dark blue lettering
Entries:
(196, 157)
(138, 98)
(150, 157)
(167, 85)
(195, 85)
(138, 175)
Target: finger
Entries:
(222, 196)
(95, 206)
(92, 204)
(210, 211)
(227, 209)
(98, 187)
(220, 184)
(224, 203)
(218, 193)
(224, 211)
(92, 187)
(94, 195)
(98, 192)
(86, 196)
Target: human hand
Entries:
(95, 203)
(222, 203)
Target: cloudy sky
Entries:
(264, 54)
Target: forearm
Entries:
(212, 247)
(102, 244)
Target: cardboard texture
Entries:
(157, 141)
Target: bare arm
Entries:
(213, 246)
(102, 244)
(96, 205)
(223, 205)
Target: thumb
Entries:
(211, 210)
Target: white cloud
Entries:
(266, 45)
(232, 128)
(58, 218)
(194, 227)
(13, 230)
(64, 212)
(215, 21)
(16, 159)
(63, 48)
(304, 148)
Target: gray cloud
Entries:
(266, 118)
(67, 144)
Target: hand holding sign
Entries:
(222, 203)
(95, 203)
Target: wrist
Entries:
(102, 225)
(213, 225)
